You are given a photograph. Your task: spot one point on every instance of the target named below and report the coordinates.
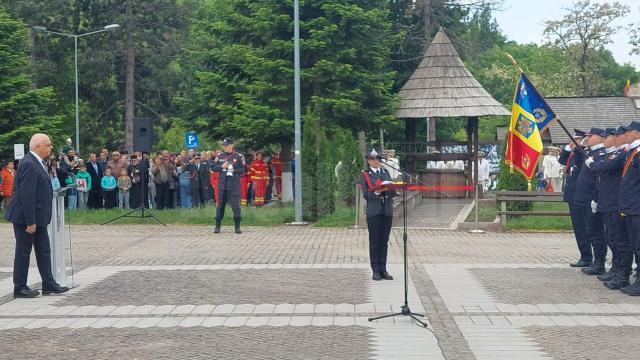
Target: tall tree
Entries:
(582, 32)
(24, 109)
(157, 36)
(242, 52)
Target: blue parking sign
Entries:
(191, 139)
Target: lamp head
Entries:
(40, 29)
(112, 27)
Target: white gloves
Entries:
(594, 207)
(588, 162)
(567, 147)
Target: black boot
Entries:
(633, 289)
(618, 281)
(236, 221)
(217, 229)
(608, 275)
(597, 268)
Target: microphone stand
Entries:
(142, 208)
(405, 310)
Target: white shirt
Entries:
(483, 170)
(40, 161)
(551, 166)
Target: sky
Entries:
(523, 21)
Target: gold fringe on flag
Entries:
(529, 186)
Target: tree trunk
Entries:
(426, 18)
(129, 96)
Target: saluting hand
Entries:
(31, 229)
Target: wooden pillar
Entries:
(470, 163)
(476, 148)
(411, 126)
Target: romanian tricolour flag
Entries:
(530, 115)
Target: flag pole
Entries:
(515, 63)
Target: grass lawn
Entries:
(542, 222)
(486, 213)
(266, 216)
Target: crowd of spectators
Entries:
(165, 180)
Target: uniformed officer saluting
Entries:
(379, 214)
(230, 165)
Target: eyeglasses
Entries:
(49, 145)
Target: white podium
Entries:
(57, 237)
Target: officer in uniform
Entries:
(230, 165)
(610, 169)
(573, 160)
(379, 213)
(586, 196)
(629, 204)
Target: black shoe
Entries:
(385, 276)
(376, 277)
(594, 269)
(216, 230)
(608, 276)
(236, 222)
(54, 289)
(617, 282)
(581, 263)
(633, 289)
(25, 292)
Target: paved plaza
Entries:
(179, 292)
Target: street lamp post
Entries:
(297, 122)
(75, 37)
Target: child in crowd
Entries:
(124, 185)
(83, 183)
(72, 193)
(108, 184)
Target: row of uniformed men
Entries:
(603, 193)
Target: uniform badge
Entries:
(612, 156)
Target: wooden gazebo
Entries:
(442, 87)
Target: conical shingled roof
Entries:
(442, 86)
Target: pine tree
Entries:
(349, 171)
(241, 55)
(24, 110)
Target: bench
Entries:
(527, 196)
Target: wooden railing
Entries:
(527, 196)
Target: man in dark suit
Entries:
(30, 213)
(379, 213)
(95, 170)
(204, 173)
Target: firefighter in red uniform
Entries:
(259, 173)
(213, 179)
(276, 162)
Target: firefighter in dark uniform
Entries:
(610, 168)
(379, 213)
(230, 165)
(587, 198)
(630, 205)
(573, 160)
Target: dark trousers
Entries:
(595, 234)
(110, 198)
(618, 241)
(95, 198)
(632, 225)
(162, 196)
(194, 191)
(24, 243)
(580, 231)
(233, 197)
(379, 230)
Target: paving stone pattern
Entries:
(547, 286)
(587, 343)
(219, 343)
(198, 287)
